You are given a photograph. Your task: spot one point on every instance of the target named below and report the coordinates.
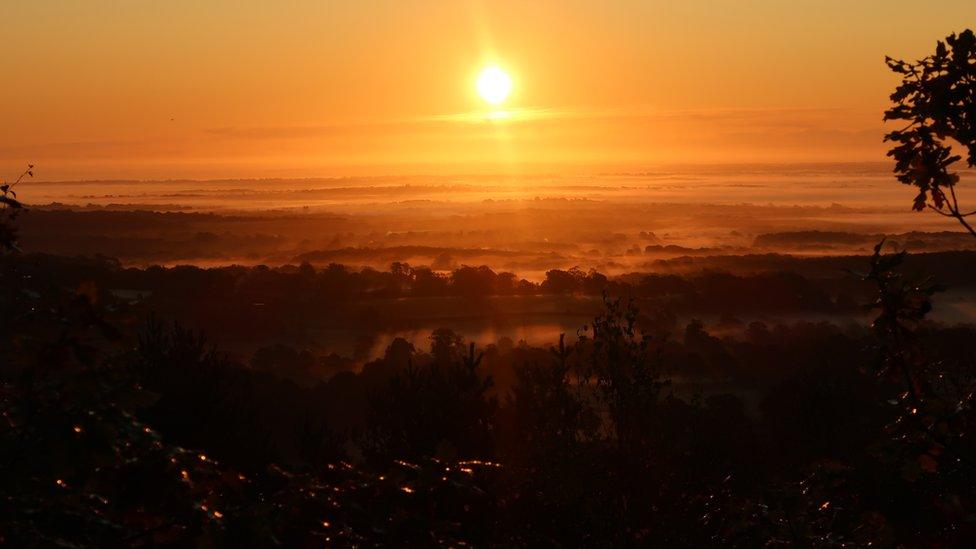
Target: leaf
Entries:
(919, 204)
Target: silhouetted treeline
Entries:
(617, 437)
(703, 291)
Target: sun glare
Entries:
(494, 85)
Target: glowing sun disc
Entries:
(494, 85)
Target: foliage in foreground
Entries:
(937, 100)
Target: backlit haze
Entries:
(221, 89)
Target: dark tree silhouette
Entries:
(439, 408)
(10, 209)
(937, 98)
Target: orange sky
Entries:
(221, 88)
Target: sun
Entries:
(494, 85)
